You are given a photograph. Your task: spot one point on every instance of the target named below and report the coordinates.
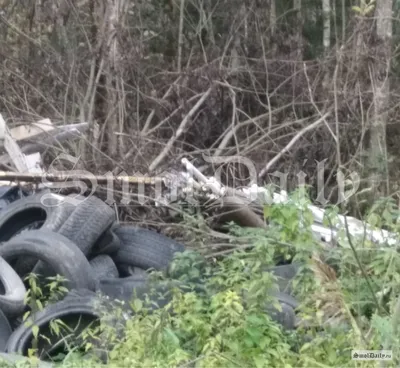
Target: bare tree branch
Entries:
(179, 132)
(291, 143)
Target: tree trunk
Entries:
(326, 13)
(299, 29)
(114, 82)
(298, 52)
(377, 153)
(272, 17)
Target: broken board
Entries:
(21, 162)
(30, 130)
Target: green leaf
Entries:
(332, 355)
(35, 331)
(267, 212)
(254, 333)
(259, 361)
(305, 347)
(113, 354)
(31, 353)
(374, 220)
(264, 342)
(387, 216)
(137, 305)
(254, 320)
(172, 338)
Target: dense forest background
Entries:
(159, 80)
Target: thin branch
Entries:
(292, 142)
(152, 113)
(180, 37)
(179, 132)
(162, 122)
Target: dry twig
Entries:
(291, 143)
(179, 132)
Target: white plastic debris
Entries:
(264, 196)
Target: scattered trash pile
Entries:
(102, 260)
(49, 234)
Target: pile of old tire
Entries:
(103, 261)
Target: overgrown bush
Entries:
(348, 301)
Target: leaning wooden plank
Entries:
(50, 141)
(48, 135)
(30, 130)
(12, 148)
(75, 131)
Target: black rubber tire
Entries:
(121, 289)
(60, 253)
(5, 331)
(69, 310)
(87, 222)
(12, 301)
(84, 225)
(127, 271)
(287, 316)
(145, 248)
(79, 293)
(108, 243)
(286, 298)
(103, 267)
(138, 286)
(31, 213)
(11, 193)
(285, 274)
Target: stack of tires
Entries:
(78, 238)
